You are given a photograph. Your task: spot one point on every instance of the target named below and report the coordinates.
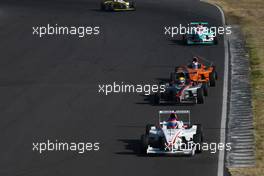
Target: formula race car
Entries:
(183, 71)
(174, 134)
(181, 90)
(202, 71)
(200, 33)
(117, 5)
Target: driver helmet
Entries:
(195, 63)
(172, 121)
(181, 80)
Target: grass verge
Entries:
(249, 14)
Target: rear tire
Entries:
(133, 5)
(215, 40)
(184, 40)
(109, 7)
(148, 127)
(216, 75)
(205, 89)
(198, 138)
(212, 79)
(144, 143)
(200, 97)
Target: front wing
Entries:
(152, 150)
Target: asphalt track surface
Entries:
(48, 87)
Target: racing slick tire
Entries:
(133, 5)
(198, 139)
(144, 143)
(184, 40)
(212, 79)
(205, 89)
(109, 7)
(200, 97)
(216, 75)
(148, 127)
(162, 143)
(200, 129)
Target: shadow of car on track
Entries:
(132, 147)
(181, 42)
(104, 11)
(177, 42)
(150, 99)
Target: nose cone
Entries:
(171, 135)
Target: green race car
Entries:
(200, 34)
(117, 5)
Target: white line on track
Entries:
(221, 157)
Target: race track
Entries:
(49, 86)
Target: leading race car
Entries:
(174, 134)
(200, 33)
(181, 89)
(118, 5)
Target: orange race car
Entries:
(202, 72)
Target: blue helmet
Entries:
(172, 121)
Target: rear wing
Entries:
(197, 23)
(174, 111)
(185, 115)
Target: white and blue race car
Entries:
(185, 139)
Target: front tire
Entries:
(162, 143)
(109, 7)
(200, 129)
